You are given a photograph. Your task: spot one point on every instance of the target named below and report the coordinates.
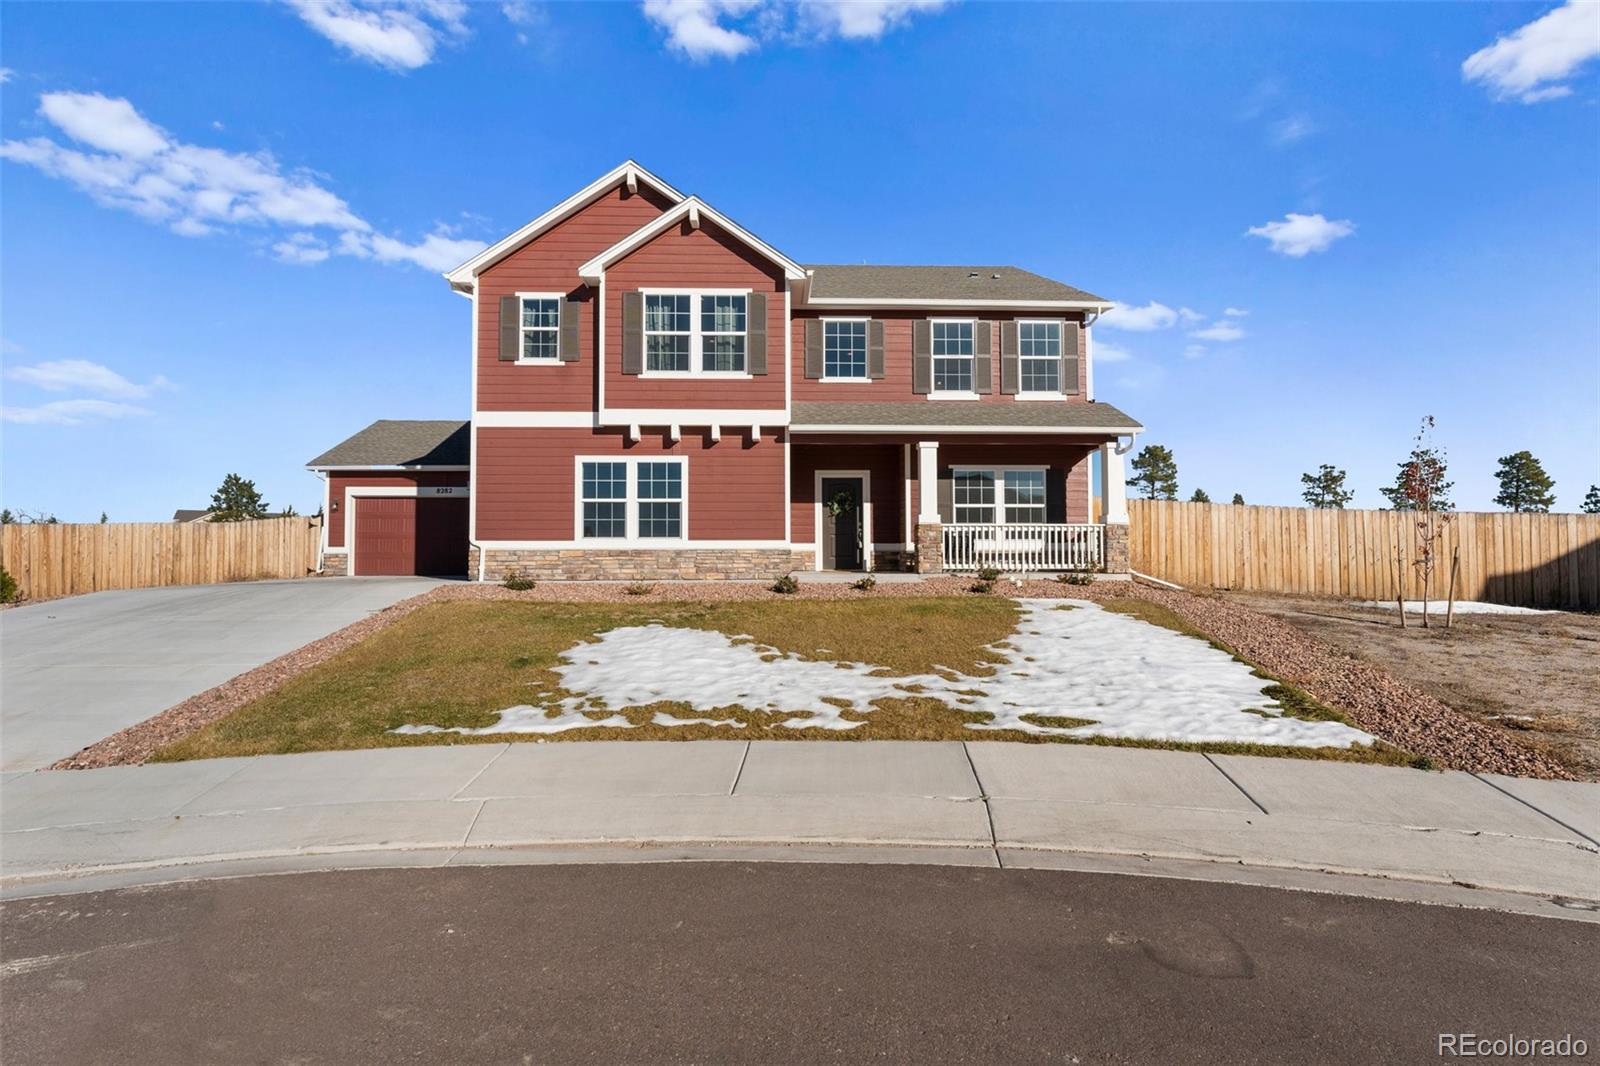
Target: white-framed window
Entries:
(952, 355)
(632, 499)
(1013, 495)
(844, 349)
(1039, 356)
(703, 331)
(540, 325)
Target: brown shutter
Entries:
(571, 316)
(982, 357)
(1071, 342)
(875, 349)
(947, 496)
(1009, 374)
(922, 357)
(756, 333)
(510, 328)
(632, 332)
(813, 348)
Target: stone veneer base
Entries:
(335, 565)
(660, 564)
(1116, 548)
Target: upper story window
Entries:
(541, 329)
(952, 357)
(631, 499)
(695, 332)
(1039, 353)
(844, 349)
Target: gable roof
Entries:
(629, 172)
(391, 442)
(694, 209)
(184, 514)
(967, 285)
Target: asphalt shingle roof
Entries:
(1032, 415)
(400, 442)
(840, 281)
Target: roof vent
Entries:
(994, 277)
(973, 274)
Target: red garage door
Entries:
(411, 535)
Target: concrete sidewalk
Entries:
(984, 803)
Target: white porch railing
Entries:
(1020, 548)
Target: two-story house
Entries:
(659, 393)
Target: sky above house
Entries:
(224, 224)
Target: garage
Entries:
(410, 535)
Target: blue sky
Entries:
(223, 223)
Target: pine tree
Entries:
(1238, 500)
(236, 501)
(1419, 484)
(1591, 502)
(1325, 488)
(1524, 486)
(1155, 473)
(1199, 497)
(104, 518)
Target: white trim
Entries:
(327, 519)
(927, 481)
(953, 395)
(534, 420)
(376, 466)
(472, 445)
(617, 543)
(1114, 431)
(845, 302)
(630, 501)
(355, 492)
(600, 355)
(561, 301)
(905, 509)
(868, 548)
(788, 405)
(697, 208)
(1088, 362)
(694, 416)
(628, 171)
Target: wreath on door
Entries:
(840, 502)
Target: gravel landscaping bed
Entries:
(1372, 699)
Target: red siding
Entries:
(549, 263)
(895, 387)
(882, 461)
(706, 258)
(526, 481)
(338, 482)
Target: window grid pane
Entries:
(605, 491)
(1024, 496)
(844, 350)
(1041, 375)
(972, 493)
(952, 357)
(541, 319)
(660, 499)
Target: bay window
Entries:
(631, 499)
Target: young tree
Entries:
(104, 518)
(1155, 473)
(1325, 488)
(8, 517)
(1524, 486)
(1199, 497)
(236, 501)
(1238, 500)
(1591, 502)
(1421, 475)
(289, 512)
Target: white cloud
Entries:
(71, 412)
(1106, 352)
(1297, 235)
(1194, 351)
(1292, 129)
(1151, 316)
(197, 191)
(397, 36)
(1189, 316)
(6, 74)
(81, 375)
(727, 29)
(1235, 312)
(1529, 64)
(1218, 331)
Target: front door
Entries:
(843, 531)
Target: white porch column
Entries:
(1113, 486)
(928, 481)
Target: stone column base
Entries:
(930, 547)
(1116, 548)
(335, 565)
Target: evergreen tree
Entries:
(1199, 497)
(1524, 486)
(104, 518)
(1591, 502)
(1238, 500)
(1155, 473)
(289, 512)
(8, 517)
(1325, 488)
(236, 501)
(1419, 484)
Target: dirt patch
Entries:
(1535, 678)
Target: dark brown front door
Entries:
(843, 535)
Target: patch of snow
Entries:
(1462, 607)
(660, 718)
(1126, 677)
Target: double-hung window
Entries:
(631, 499)
(1039, 352)
(1005, 496)
(844, 350)
(1024, 496)
(541, 328)
(695, 332)
(972, 493)
(952, 356)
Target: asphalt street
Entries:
(771, 962)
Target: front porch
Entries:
(1019, 503)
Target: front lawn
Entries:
(458, 665)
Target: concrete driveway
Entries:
(79, 669)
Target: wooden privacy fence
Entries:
(63, 560)
(1527, 560)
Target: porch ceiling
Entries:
(930, 416)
